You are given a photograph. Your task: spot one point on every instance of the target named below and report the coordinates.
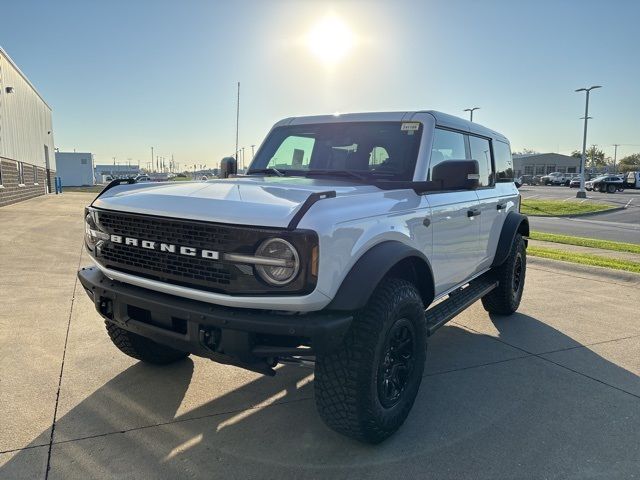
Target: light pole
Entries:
(615, 156)
(581, 192)
(470, 110)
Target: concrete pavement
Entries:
(551, 392)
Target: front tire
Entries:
(611, 188)
(366, 387)
(141, 348)
(505, 298)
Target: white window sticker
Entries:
(410, 126)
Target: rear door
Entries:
(455, 218)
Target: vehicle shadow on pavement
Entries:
(485, 410)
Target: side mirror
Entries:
(457, 174)
(228, 166)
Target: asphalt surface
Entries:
(550, 392)
(621, 225)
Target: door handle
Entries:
(474, 212)
(501, 206)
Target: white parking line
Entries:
(532, 196)
(629, 202)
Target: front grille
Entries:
(190, 271)
(166, 266)
(181, 232)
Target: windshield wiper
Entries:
(270, 170)
(343, 173)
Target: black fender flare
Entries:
(514, 223)
(371, 268)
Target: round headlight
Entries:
(92, 232)
(286, 261)
(89, 228)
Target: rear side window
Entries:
(481, 152)
(503, 161)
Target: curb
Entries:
(603, 274)
(577, 215)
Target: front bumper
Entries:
(251, 339)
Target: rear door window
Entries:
(481, 152)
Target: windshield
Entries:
(362, 150)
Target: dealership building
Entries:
(27, 162)
(544, 163)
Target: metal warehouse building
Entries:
(543, 163)
(75, 169)
(27, 163)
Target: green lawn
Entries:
(584, 259)
(586, 242)
(550, 208)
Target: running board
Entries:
(458, 301)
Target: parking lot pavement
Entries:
(550, 392)
(621, 225)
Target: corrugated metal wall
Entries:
(25, 119)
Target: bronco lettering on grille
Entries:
(165, 247)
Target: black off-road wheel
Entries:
(142, 348)
(505, 298)
(366, 387)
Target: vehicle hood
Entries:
(259, 201)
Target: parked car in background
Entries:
(609, 184)
(632, 180)
(574, 183)
(558, 178)
(530, 179)
(142, 178)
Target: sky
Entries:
(123, 76)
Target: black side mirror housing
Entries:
(228, 166)
(457, 174)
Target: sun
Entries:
(330, 40)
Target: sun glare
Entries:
(330, 40)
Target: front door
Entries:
(454, 215)
(456, 227)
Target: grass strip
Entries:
(586, 242)
(551, 208)
(584, 259)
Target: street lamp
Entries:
(470, 110)
(581, 192)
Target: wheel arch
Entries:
(389, 258)
(514, 223)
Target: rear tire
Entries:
(505, 298)
(366, 387)
(142, 348)
(611, 188)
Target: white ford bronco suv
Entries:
(348, 242)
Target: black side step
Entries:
(458, 301)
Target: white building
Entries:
(27, 163)
(75, 169)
